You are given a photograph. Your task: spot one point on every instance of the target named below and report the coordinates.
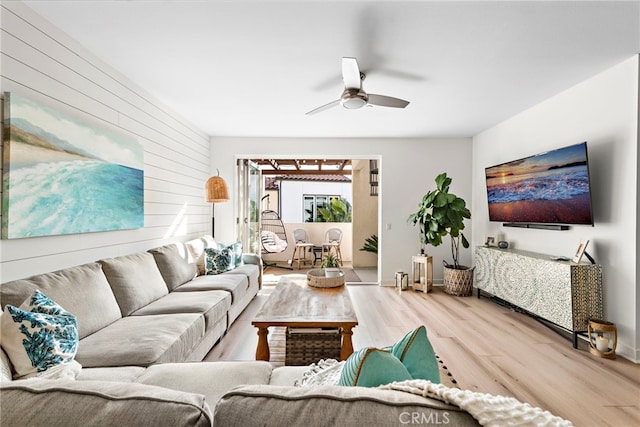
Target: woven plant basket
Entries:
(458, 282)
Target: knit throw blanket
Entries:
(487, 409)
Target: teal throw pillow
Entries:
(236, 248)
(38, 335)
(416, 353)
(371, 367)
(218, 261)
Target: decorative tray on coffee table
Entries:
(317, 278)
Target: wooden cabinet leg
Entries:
(262, 351)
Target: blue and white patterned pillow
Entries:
(218, 261)
(38, 335)
(237, 253)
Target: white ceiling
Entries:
(253, 68)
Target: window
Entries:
(313, 202)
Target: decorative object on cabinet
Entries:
(422, 273)
(580, 251)
(563, 293)
(603, 338)
(439, 214)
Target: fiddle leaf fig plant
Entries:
(439, 214)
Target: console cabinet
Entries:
(561, 292)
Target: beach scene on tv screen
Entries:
(551, 187)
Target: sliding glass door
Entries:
(249, 195)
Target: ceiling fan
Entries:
(354, 95)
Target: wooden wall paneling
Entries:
(42, 62)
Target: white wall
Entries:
(603, 111)
(41, 62)
(408, 168)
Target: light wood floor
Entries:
(487, 347)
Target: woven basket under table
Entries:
(306, 347)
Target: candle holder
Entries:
(402, 281)
(603, 338)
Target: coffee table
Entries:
(295, 304)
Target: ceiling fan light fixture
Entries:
(353, 99)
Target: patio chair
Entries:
(303, 246)
(332, 240)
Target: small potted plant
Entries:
(439, 214)
(331, 266)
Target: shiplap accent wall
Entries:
(43, 63)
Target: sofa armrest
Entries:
(60, 402)
(269, 405)
(249, 258)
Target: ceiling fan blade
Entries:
(324, 107)
(387, 101)
(351, 73)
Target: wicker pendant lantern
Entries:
(217, 192)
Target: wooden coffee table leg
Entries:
(347, 345)
(262, 351)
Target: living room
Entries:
(45, 63)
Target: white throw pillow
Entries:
(5, 367)
(325, 372)
(5, 363)
(196, 250)
(38, 335)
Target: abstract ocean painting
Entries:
(66, 175)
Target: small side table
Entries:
(422, 273)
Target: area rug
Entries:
(271, 279)
(277, 348)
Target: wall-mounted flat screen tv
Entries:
(548, 188)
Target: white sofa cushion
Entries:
(143, 340)
(212, 304)
(213, 379)
(82, 290)
(135, 280)
(175, 264)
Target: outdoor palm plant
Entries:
(338, 210)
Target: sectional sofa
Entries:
(146, 308)
(144, 322)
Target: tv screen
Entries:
(548, 188)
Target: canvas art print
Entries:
(64, 175)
